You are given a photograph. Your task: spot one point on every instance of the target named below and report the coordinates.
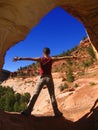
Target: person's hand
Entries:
(16, 59)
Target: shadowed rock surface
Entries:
(4, 75)
(18, 122)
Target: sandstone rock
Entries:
(18, 17)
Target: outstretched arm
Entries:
(32, 59)
(63, 58)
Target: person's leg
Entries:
(50, 85)
(38, 88)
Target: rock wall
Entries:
(5, 75)
(18, 17)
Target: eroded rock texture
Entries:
(17, 17)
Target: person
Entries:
(45, 79)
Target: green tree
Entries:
(16, 107)
(11, 101)
(2, 103)
(27, 97)
(17, 97)
(23, 106)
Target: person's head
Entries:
(46, 51)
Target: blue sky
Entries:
(57, 30)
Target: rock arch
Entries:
(17, 17)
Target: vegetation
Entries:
(84, 38)
(88, 63)
(91, 52)
(11, 101)
(27, 71)
(63, 87)
(70, 77)
(68, 52)
(69, 62)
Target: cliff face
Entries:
(18, 122)
(18, 17)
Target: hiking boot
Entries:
(25, 113)
(58, 114)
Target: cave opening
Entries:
(58, 30)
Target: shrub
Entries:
(88, 63)
(69, 62)
(68, 52)
(91, 52)
(62, 87)
(70, 77)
